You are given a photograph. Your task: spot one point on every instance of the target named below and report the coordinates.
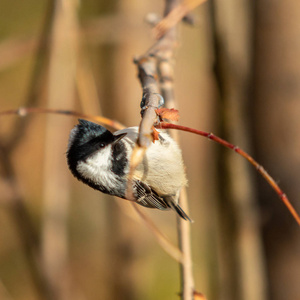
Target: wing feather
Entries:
(148, 197)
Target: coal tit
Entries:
(101, 160)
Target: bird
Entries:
(101, 159)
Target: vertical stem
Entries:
(242, 274)
(276, 82)
(166, 76)
(158, 65)
(22, 219)
(26, 230)
(61, 90)
(184, 241)
(183, 227)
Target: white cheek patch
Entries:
(97, 168)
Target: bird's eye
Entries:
(102, 145)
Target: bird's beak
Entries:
(119, 137)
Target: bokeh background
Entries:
(237, 75)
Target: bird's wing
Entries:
(148, 197)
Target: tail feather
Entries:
(180, 211)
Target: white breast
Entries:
(97, 168)
(165, 171)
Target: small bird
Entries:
(101, 160)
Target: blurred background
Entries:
(237, 74)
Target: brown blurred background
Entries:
(237, 75)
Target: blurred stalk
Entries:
(27, 233)
(166, 71)
(26, 230)
(61, 93)
(166, 77)
(121, 242)
(240, 248)
(276, 127)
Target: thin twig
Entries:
(184, 241)
(166, 77)
(157, 65)
(24, 111)
(241, 152)
(175, 16)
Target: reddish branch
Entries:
(258, 167)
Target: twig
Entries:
(175, 16)
(150, 100)
(184, 241)
(166, 77)
(258, 167)
(24, 111)
(147, 72)
(157, 64)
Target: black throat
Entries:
(119, 158)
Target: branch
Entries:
(241, 152)
(24, 111)
(175, 16)
(157, 65)
(147, 73)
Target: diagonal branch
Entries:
(241, 152)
